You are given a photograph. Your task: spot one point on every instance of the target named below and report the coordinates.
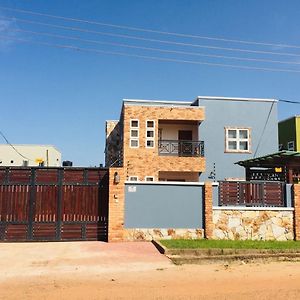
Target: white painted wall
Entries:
(170, 131)
(9, 157)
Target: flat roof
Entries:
(170, 102)
(289, 118)
(236, 99)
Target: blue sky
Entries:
(63, 97)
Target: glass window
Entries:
(134, 123)
(237, 139)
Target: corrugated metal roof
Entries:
(281, 154)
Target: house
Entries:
(157, 141)
(289, 134)
(236, 129)
(29, 155)
(165, 140)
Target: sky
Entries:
(59, 96)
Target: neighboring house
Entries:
(165, 141)
(236, 129)
(289, 134)
(157, 141)
(29, 155)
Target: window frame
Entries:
(291, 148)
(148, 177)
(148, 139)
(133, 176)
(134, 138)
(237, 139)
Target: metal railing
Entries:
(181, 148)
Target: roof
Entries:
(289, 118)
(236, 99)
(277, 158)
(157, 102)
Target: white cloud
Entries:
(6, 32)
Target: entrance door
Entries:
(185, 145)
(185, 135)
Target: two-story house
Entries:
(157, 141)
(165, 140)
(289, 134)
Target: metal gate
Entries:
(53, 204)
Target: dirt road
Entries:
(133, 271)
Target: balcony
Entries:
(181, 148)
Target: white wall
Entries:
(9, 157)
(170, 131)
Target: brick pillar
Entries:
(297, 211)
(116, 205)
(208, 210)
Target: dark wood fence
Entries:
(53, 204)
(251, 193)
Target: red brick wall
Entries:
(297, 211)
(116, 206)
(208, 210)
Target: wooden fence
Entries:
(251, 193)
(53, 204)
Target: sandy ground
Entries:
(133, 271)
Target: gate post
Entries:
(208, 210)
(297, 211)
(116, 203)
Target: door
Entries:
(185, 145)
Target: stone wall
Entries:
(149, 234)
(253, 224)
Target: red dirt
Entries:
(133, 271)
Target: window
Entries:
(133, 178)
(149, 178)
(150, 133)
(237, 140)
(25, 163)
(291, 146)
(134, 133)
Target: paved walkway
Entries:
(30, 259)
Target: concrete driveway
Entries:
(81, 258)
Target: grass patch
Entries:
(222, 244)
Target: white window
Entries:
(149, 178)
(134, 133)
(133, 178)
(237, 140)
(291, 146)
(150, 134)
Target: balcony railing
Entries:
(181, 148)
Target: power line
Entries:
(289, 101)
(96, 51)
(264, 129)
(153, 49)
(151, 39)
(148, 30)
(2, 134)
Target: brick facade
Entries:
(116, 205)
(143, 161)
(208, 210)
(297, 211)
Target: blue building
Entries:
(236, 129)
